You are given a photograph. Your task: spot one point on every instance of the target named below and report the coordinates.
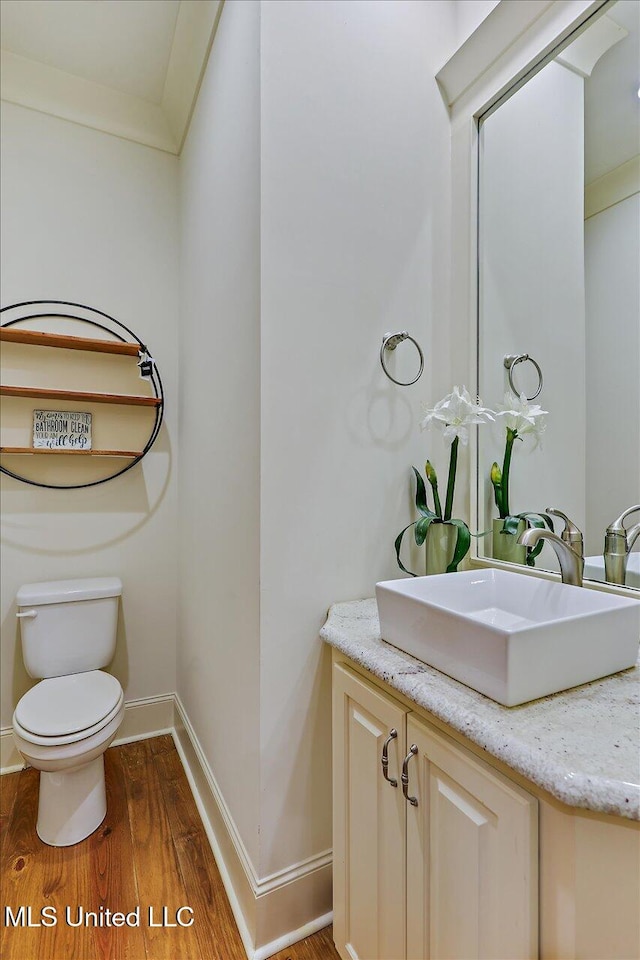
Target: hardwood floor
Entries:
(151, 851)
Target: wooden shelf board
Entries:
(126, 454)
(78, 396)
(40, 339)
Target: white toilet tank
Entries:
(68, 626)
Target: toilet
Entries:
(63, 725)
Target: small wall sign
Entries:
(61, 429)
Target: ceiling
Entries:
(117, 43)
(131, 67)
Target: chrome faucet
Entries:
(571, 563)
(571, 535)
(618, 542)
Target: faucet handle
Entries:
(617, 527)
(571, 533)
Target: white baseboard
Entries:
(10, 759)
(272, 912)
(147, 717)
(262, 953)
(212, 809)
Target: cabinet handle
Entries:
(405, 775)
(393, 733)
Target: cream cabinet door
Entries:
(472, 887)
(369, 864)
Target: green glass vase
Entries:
(506, 546)
(439, 546)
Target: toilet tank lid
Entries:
(67, 591)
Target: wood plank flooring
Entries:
(151, 850)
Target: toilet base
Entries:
(72, 803)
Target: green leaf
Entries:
(433, 480)
(537, 520)
(421, 495)
(422, 525)
(510, 524)
(398, 544)
(463, 543)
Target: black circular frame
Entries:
(156, 382)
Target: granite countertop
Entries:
(582, 745)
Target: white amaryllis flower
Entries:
(522, 417)
(455, 413)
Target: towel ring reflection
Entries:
(389, 342)
(511, 361)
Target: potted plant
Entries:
(446, 538)
(521, 419)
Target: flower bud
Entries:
(496, 475)
(430, 473)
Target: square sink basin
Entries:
(510, 636)
(594, 570)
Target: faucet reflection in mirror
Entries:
(618, 544)
(521, 419)
(446, 539)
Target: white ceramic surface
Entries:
(511, 637)
(71, 804)
(68, 591)
(72, 800)
(68, 705)
(63, 725)
(594, 569)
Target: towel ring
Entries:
(511, 361)
(389, 342)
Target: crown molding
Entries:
(513, 39)
(164, 126)
(194, 35)
(612, 188)
(497, 32)
(40, 87)
(582, 55)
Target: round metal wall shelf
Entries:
(120, 342)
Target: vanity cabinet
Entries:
(369, 821)
(450, 870)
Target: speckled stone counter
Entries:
(583, 745)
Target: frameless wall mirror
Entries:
(559, 281)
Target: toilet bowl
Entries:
(63, 725)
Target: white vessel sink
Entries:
(507, 635)
(594, 569)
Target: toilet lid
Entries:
(63, 705)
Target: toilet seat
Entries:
(66, 709)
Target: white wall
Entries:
(355, 243)
(532, 287)
(91, 218)
(218, 650)
(315, 218)
(467, 17)
(612, 268)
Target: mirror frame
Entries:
(512, 44)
